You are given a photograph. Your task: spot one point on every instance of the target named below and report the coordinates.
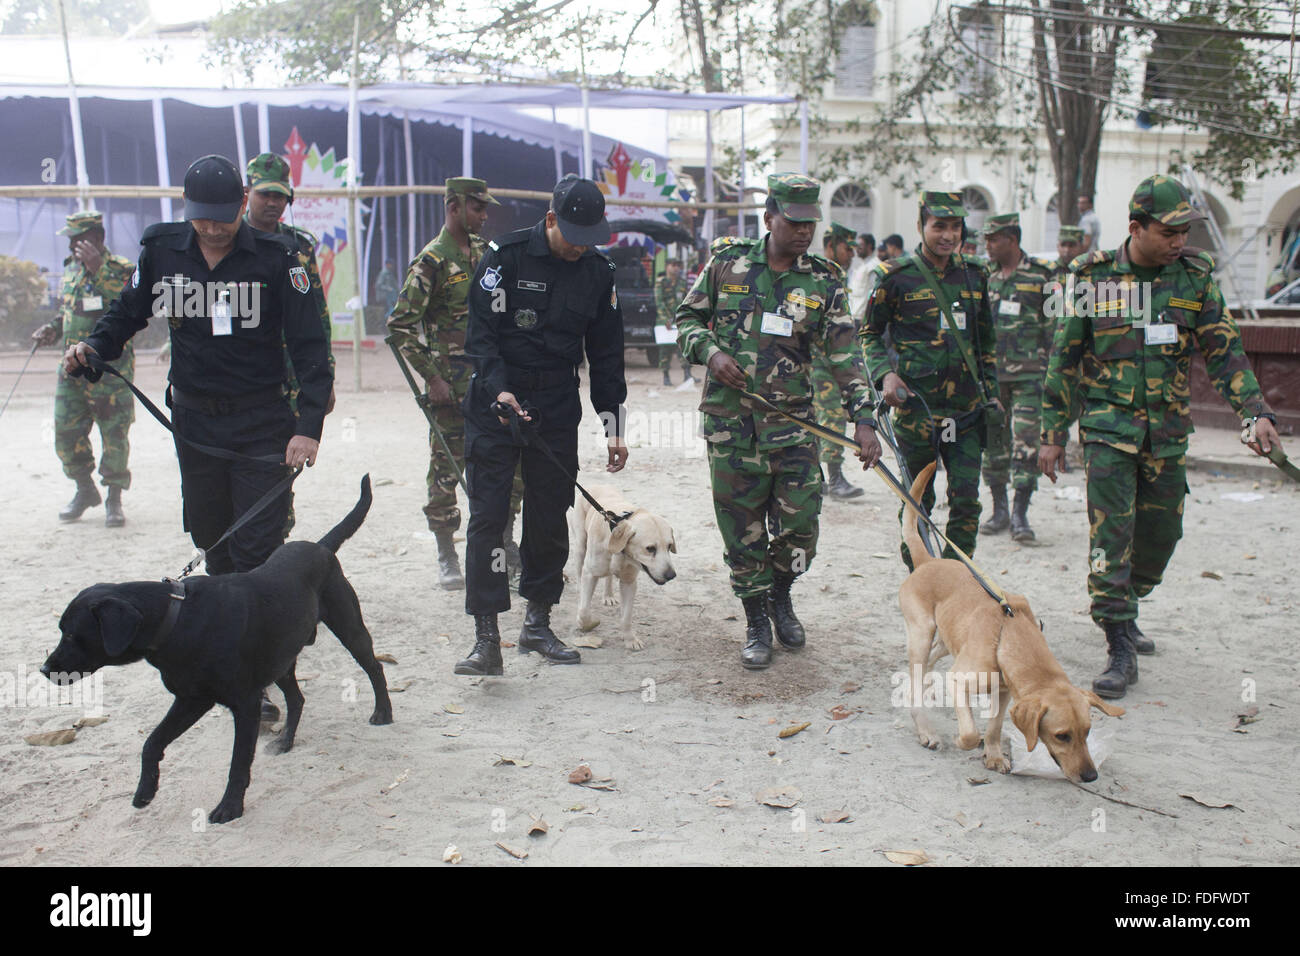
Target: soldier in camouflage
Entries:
(931, 365)
(433, 304)
(826, 395)
(92, 278)
(1069, 246)
(757, 314)
(1018, 286)
(1133, 317)
(669, 292)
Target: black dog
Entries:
(221, 640)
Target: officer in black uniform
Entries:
(235, 299)
(538, 297)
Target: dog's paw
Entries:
(227, 810)
(278, 745)
(381, 716)
(928, 739)
(610, 600)
(588, 622)
(968, 741)
(143, 797)
(633, 643)
(997, 761)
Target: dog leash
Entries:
(35, 346)
(426, 406)
(98, 367)
(528, 436)
(897, 488)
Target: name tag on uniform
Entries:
(959, 318)
(1008, 307)
(91, 303)
(221, 318)
(1162, 333)
(531, 286)
(774, 324)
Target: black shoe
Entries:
(758, 634)
(688, 377)
(1141, 642)
(485, 659)
(1000, 520)
(113, 517)
(1121, 664)
(667, 380)
(838, 486)
(779, 607)
(87, 496)
(270, 713)
(449, 576)
(537, 635)
(1020, 530)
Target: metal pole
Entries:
(160, 156)
(263, 129)
(74, 107)
(354, 202)
(708, 172)
(240, 147)
(555, 146)
(410, 181)
(740, 210)
(467, 147)
(588, 161)
(803, 137)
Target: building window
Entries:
(855, 64)
(979, 49)
(851, 206)
(977, 206)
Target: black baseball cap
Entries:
(213, 189)
(579, 205)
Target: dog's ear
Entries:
(1025, 715)
(672, 541)
(619, 537)
(119, 623)
(1110, 710)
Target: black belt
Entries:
(540, 378)
(226, 405)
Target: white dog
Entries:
(640, 542)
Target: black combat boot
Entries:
(1143, 643)
(788, 629)
(1020, 530)
(113, 517)
(758, 634)
(838, 486)
(537, 635)
(485, 659)
(1121, 664)
(1000, 520)
(687, 376)
(449, 576)
(667, 379)
(87, 496)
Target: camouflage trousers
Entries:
(959, 449)
(666, 353)
(1012, 452)
(78, 405)
(441, 511)
(767, 504)
(828, 405)
(1135, 517)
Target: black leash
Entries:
(525, 433)
(96, 370)
(35, 346)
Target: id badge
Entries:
(91, 303)
(774, 324)
(1162, 333)
(959, 319)
(221, 318)
(1009, 307)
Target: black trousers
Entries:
(548, 494)
(216, 492)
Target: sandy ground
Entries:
(686, 737)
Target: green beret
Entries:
(1166, 200)
(796, 195)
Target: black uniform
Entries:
(228, 390)
(530, 315)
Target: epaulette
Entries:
(1042, 264)
(1197, 259)
(161, 230)
(731, 246)
(886, 266)
(830, 265)
(510, 238)
(1090, 259)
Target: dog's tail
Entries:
(346, 528)
(911, 535)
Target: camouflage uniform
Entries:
(78, 403)
(1134, 387)
(764, 472)
(433, 302)
(1024, 333)
(668, 295)
(826, 394)
(930, 362)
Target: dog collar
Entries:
(175, 598)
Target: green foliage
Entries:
(90, 17)
(22, 296)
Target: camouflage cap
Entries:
(80, 222)
(942, 205)
(797, 196)
(995, 224)
(1164, 199)
(269, 173)
(467, 186)
(840, 231)
(1070, 234)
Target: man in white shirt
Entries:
(860, 273)
(1090, 224)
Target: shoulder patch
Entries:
(162, 230)
(1197, 260)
